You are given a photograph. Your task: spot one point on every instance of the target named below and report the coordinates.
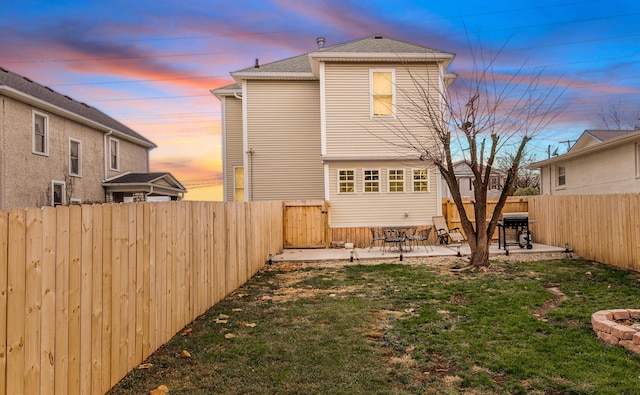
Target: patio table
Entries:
(398, 235)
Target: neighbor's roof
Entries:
(375, 48)
(22, 88)
(147, 179)
(591, 141)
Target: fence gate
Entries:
(305, 224)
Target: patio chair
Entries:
(421, 236)
(392, 237)
(376, 235)
(445, 235)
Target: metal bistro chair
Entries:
(376, 235)
(421, 236)
(392, 237)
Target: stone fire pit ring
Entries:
(606, 327)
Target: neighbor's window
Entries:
(57, 193)
(638, 159)
(238, 184)
(561, 176)
(40, 134)
(494, 183)
(346, 181)
(75, 153)
(371, 180)
(114, 154)
(396, 180)
(382, 93)
(420, 180)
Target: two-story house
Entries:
(465, 179)
(55, 150)
(329, 125)
(600, 162)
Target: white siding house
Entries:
(600, 162)
(321, 126)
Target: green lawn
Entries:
(405, 329)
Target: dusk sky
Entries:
(151, 64)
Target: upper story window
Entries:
(114, 154)
(346, 181)
(371, 179)
(562, 178)
(75, 155)
(40, 134)
(382, 83)
(420, 180)
(396, 180)
(238, 184)
(494, 183)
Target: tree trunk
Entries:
(480, 255)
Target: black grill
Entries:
(514, 229)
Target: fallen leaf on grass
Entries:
(145, 366)
(251, 325)
(236, 310)
(187, 332)
(229, 336)
(242, 295)
(161, 390)
(223, 316)
(266, 297)
(185, 354)
(219, 321)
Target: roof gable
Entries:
(589, 138)
(14, 82)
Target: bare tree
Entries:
(483, 115)
(614, 117)
(526, 178)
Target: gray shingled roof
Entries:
(31, 88)
(604, 135)
(374, 44)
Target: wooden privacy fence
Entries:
(89, 292)
(603, 228)
(450, 211)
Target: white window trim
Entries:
(338, 179)
(235, 185)
(118, 159)
(393, 93)
(558, 185)
(404, 180)
(46, 134)
(637, 160)
(63, 198)
(364, 181)
(413, 185)
(72, 140)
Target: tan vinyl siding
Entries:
(350, 128)
(382, 208)
(284, 134)
(608, 171)
(233, 142)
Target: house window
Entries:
(40, 134)
(561, 176)
(371, 180)
(114, 154)
(75, 153)
(396, 180)
(346, 181)
(494, 183)
(382, 93)
(238, 184)
(420, 180)
(58, 193)
(637, 159)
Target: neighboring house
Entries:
(55, 150)
(465, 179)
(320, 126)
(600, 162)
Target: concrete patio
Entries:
(328, 254)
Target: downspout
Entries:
(148, 193)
